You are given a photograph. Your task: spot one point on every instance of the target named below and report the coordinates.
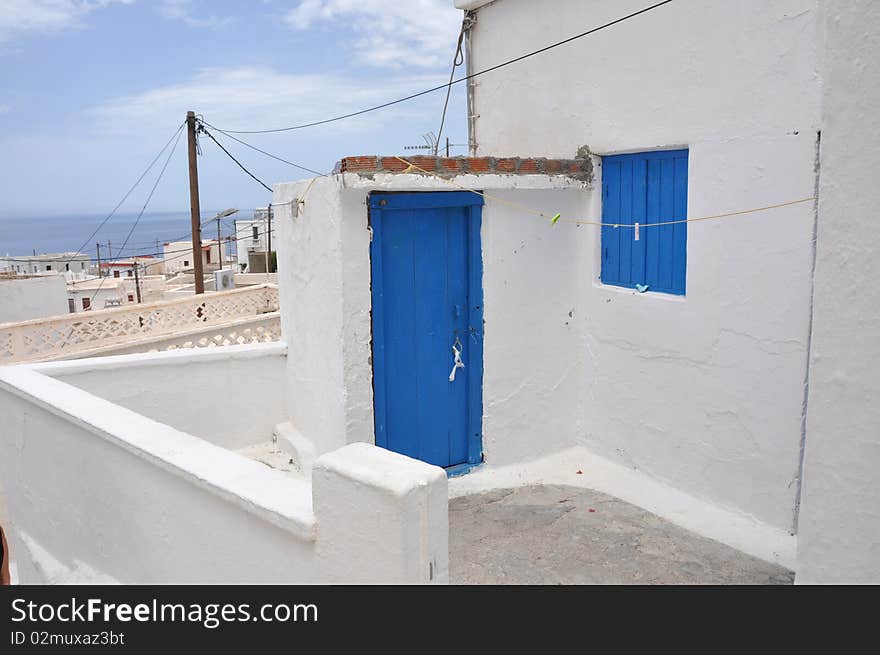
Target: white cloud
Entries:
(402, 33)
(247, 97)
(182, 10)
(23, 16)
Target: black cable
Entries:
(268, 154)
(457, 61)
(169, 252)
(143, 209)
(240, 165)
(128, 193)
(459, 80)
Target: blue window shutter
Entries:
(645, 188)
(611, 214)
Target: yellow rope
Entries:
(556, 217)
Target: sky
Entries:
(90, 90)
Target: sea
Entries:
(26, 235)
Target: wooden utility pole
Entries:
(137, 282)
(98, 246)
(269, 237)
(219, 242)
(195, 211)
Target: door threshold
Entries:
(461, 469)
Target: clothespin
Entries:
(554, 219)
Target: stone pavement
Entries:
(565, 535)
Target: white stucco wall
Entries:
(97, 492)
(232, 397)
(35, 297)
(839, 527)
(704, 392)
(311, 297)
(531, 345)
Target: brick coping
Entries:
(579, 169)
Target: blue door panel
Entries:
(427, 298)
(398, 294)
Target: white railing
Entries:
(178, 322)
(256, 329)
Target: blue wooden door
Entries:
(428, 325)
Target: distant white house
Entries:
(97, 293)
(252, 242)
(178, 256)
(71, 263)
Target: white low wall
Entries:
(232, 397)
(99, 493)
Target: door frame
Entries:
(377, 202)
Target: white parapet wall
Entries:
(395, 506)
(26, 298)
(232, 397)
(98, 492)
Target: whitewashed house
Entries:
(677, 354)
(97, 293)
(74, 265)
(650, 278)
(177, 256)
(25, 297)
(252, 241)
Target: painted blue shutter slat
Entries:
(625, 234)
(611, 214)
(639, 212)
(664, 282)
(652, 240)
(679, 231)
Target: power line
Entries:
(39, 258)
(268, 154)
(144, 208)
(229, 154)
(155, 253)
(150, 196)
(457, 61)
(128, 193)
(456, 81)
